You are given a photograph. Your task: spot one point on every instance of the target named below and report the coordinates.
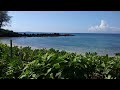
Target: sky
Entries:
(65, 21)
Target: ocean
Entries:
(80, 43)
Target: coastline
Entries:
(33, 48)
(10, 33)
(50, 60)
(15, 44)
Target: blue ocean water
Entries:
(80, 43)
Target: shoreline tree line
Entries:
(5, 20)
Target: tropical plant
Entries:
(27, 63)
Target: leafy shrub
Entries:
(54, 64)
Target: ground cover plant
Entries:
(27, 63)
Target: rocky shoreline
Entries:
(8, 33)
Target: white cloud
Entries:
(103, 27)
(115, 28)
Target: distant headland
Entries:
(10, 33)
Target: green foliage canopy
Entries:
(4, 18)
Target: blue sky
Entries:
(65, 21)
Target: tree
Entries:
(4, 18)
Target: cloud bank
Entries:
(103, 27)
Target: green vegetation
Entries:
(10, 33)
(27, 63)
(4, 18)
